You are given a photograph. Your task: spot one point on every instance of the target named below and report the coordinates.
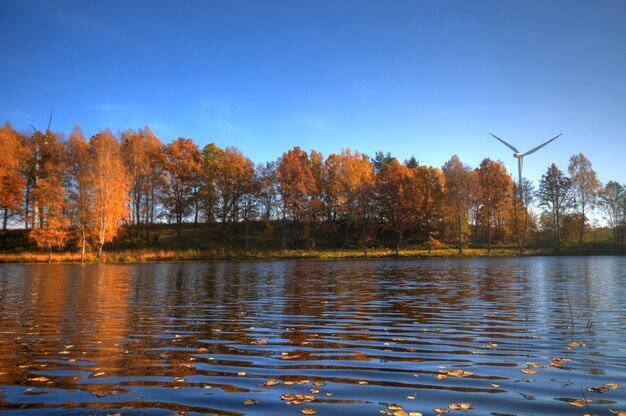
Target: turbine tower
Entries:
(520, 156)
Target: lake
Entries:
(523, 336)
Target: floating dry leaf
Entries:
(363, 382)
(308, 411)
(314, 391)
(459, 373)
(442, 376)
(460, 406)
(410, 397)
(494, 385)
(394, 407)
(580, 402)
(38, 379)
(528, 371)
(618, 412)
(250, 402)
(318, 383)
(558, 362)
(297, 398)
(598, 389)
(242, 373)
(269, 383)
(613, 386)
(440, 410)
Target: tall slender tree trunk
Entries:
(282, 232)
(246, 232)
(83, 244)
(5, 220)
(364, 238)
(460, 234)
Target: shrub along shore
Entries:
(160, 244)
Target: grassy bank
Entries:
(149, 255)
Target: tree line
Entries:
(83, 194)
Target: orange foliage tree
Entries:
(295, 185)
(495, 188)
(395, 199)
(78, 189)
(457, 199)
(12, 182)
(182, 164)
(109, 188)
(143, 157)
(46, 170)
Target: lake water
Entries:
(524, 336)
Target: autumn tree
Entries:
(182, 164)
(613, 202)
(585, 189)
(555, 194)
(109, 188)
(45, 200)
(458, 194)
(295, 185)
(395, 199)
(267, 191)
(428, 184)
(78, 187)
(234, 178)
(208, 193)
(143, 159)
(526, 198)
(493, 194)
(351, 180)
(12, 182)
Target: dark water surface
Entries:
(340, 338)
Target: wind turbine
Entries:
(520, 156)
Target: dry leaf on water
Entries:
(308, 411)
(250, 402)
(598, 389)
(460, 406)
(580, 402)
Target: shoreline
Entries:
(139, 256)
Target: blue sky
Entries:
(422, 78)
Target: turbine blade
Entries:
(541, 145)
(506, 144)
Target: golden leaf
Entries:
(308, 411)
(460, 406)
(614, 386)
(394, 407)
(598, 389)
(250, 402)
(440, 410)
(269, 383)
(528, 371)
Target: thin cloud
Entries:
(311, 122)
